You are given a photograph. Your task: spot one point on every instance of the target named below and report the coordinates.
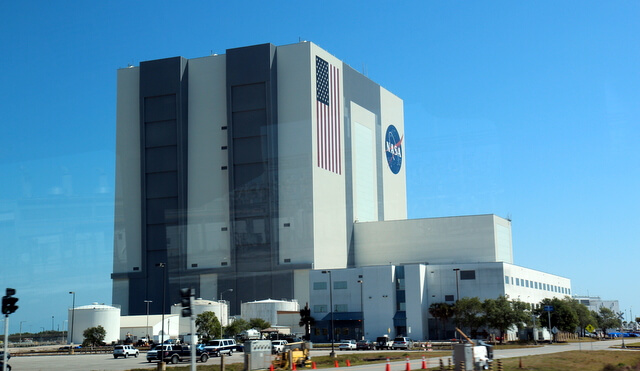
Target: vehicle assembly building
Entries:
(246, 170)
(244, 175)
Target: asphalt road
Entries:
(85, 362)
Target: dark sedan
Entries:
(364, 345)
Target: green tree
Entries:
(208, 326)
(564, 315)
(307, 321)
(607, 319)
(501, 314)
(585, 316)
(469, 314)
(442, 312)
(259, 324)
(236, 327)
(94, 336)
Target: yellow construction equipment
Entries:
(294, 353)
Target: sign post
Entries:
(549, 309)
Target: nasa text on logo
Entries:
(393, 148)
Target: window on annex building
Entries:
(449, 298)
(340, 308)
(467, 275)
(340, 285)
(506, 280)
(320, 308)
(319, 285)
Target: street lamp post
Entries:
(620, 315)
(147, 302)
(457, 286)
(457, 293)
(333, 350)
(533, 322)
(52, 317)
(361, 282)
(73, 315)
(21, 322)
(164, 279)
(227, 290)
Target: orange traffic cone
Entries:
(293, 367)
(388, 367)
(335, 363)
(408, 365)
(313, 366)
(424, 364)
(271, 367)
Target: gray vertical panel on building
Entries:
(163, 125)
(365, 93)
(253, 175)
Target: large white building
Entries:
(594, 303)
(249, 173)
(436, 260)
(246, 170)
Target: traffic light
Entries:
(186, 295)
(9, 302)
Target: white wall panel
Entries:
(127, 252)
(295, 150)
(363, 164)
(435, 240)
(208, 186)
(329, 193)
(394, 185)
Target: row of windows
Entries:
(322, 308)
(338, 331)
(400, 284)
(536, 285)
(337, 285)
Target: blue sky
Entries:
(527, 110)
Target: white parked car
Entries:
(277, 346)
(125, 351)
(347, 345)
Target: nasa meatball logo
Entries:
(393, 148)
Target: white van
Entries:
(220, 346)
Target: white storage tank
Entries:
(220, 308)
(94, 315)
(268, 309)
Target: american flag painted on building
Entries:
(328, 116)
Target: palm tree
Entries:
(307, 321)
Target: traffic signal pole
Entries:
(194, 343)
(187, 295)
(6, 341)
(8, 306)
